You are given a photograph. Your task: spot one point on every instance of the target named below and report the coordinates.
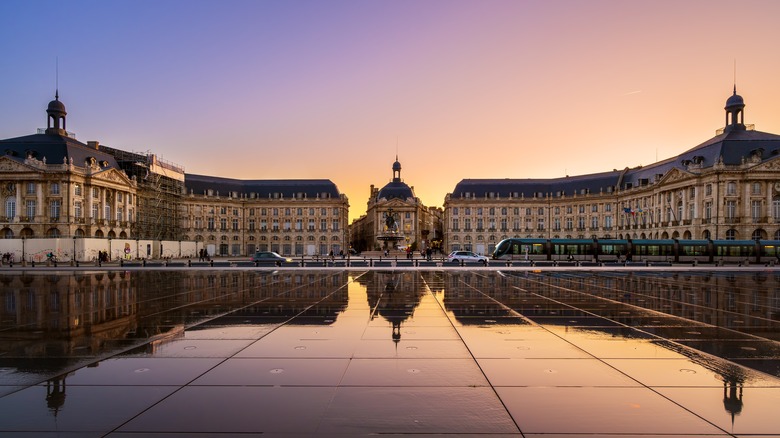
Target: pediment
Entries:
(395, 202)
(772, 165)
(8, 164)
(675, 175)
(113, 175)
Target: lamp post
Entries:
(24, 263)
(74, 249)
(136, 248)
(109, 249)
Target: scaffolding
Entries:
(160, 191)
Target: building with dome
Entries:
(53, 185)
(727, 187)
(395, 218)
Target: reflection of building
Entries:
(396, 217)
(725, 188)
(291, 217)
(393, 295)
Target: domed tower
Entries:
(397, 170)
(735, 117)
(56, 116)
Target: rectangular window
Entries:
(311, 224)
(708, 190)
(107, 212)
(55, 188)
(731, 209)
(731, 188)
(467, 224)
(77, 209)
(335, 224)
(251, 224)
(756, 188)
(54, 209)
(755, 210)
(120, 197)
(210, 223)
(223, 224)
(708, 210)
(323, 225)
(95, 192)
(95, 211)
(77, 189)
(120, 214)
(30, 209)
(455, 224)
(235, 224)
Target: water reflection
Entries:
(667, 331)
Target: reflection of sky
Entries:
(559, 360)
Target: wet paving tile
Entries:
(83, 409)
(142, 371)
(600, 411)
(684, 372)
(416, 332)
(416, 372)
(737, 410)
(221, 348)
(337, 353)
(421, 348)
(237, 331)
(553, 372)
(291, 345)
(377, 410)
(198, 410)
(275, 372)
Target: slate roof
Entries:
(731, 147)
(395, 190)
(56, 148)
(287, 188)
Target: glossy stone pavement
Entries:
(235, 353)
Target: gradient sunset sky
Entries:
(334, 89)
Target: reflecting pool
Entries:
(337, 352)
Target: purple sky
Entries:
(333, 89)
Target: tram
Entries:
(639, 250)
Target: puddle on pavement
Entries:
(479, 351)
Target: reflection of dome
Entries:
(395, 189)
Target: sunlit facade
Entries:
(291, 217)
(52, 185)
(725, 188)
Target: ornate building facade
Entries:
(725, 188)
(55, 186)
(395, 217)
(238, 217)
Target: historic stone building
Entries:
(395, 217)
(234, 217)
(725, 188)
(53, 185)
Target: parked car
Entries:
(269, 257)
(466, 256)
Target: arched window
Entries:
(687, 235)
(758, 234)
(731, 234)
(705, 234)
(52, 232)
(7, 233)
(99, 233)
(777, 235)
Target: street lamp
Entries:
(23, 262)
(74, 249)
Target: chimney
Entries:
(94, 144)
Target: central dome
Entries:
(395, 190)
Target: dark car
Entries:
(268, 257)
